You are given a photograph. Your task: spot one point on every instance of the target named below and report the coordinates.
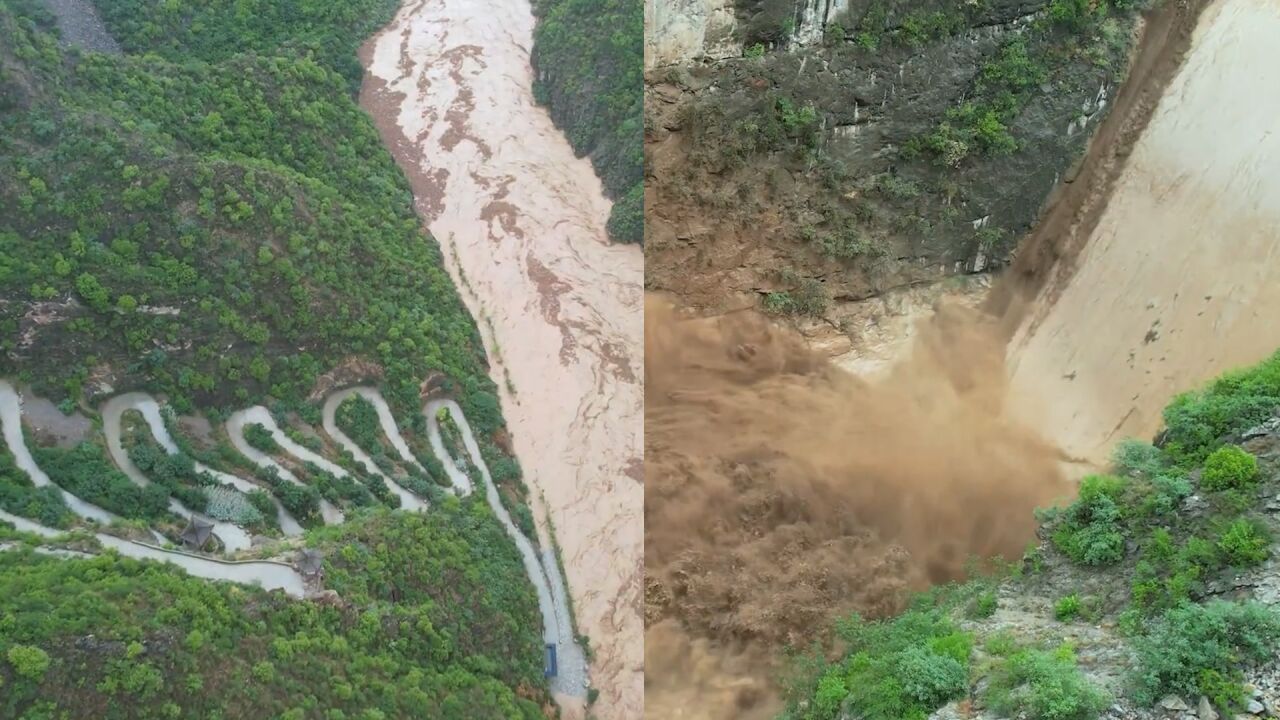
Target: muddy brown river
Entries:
(521, 222)
(1180, 278)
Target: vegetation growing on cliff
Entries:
(436, 619)
(588, 59)
(214, 231)
(913, 143)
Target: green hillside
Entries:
(588, 59)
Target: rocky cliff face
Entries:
(678, 31)
(861, 146)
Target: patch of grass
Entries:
(983, 605)
(1043, 685)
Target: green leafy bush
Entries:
(929, 678)
(1229, 468)
(1137, 459)
(900, 668)
(1043, 685)
(1197, 422)
(1166, 493)
(260, 438)
(1067, 608)
(1243, 543)
(29, 662)
(1090, 531)
(1166, 577)
(1188, 640)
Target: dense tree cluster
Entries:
(213, 218)
(437, 619)
(588, 57)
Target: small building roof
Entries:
(310, 562)
(197, 533)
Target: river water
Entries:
(521, 223)
(1180, 278)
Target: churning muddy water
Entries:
(521, 222)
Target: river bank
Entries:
(521, 224)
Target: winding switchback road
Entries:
(259, 415)
(150, 410)
(234, 538)
(408, 500)
(11, 419)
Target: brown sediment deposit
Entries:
(521, 223)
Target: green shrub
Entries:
(1165, 495)
(1067, 608)
(1089, 531)
(1243, 543)
(1043, 685)
(1001, 644)
(1164, 578)
(1196, 422)
(1229, 468)
(1224, 691)
(260, 438)
(29, 662)
(1191, 639)
(900, 668)
(810, 299)
(929, 678)
(984, 605)
(1137, 459)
